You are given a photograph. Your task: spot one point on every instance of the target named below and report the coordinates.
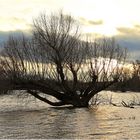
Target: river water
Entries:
(30, 119)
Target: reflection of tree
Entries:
(70, 123)
(61, 123)
(58, 63)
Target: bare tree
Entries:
(56, 62)
(136, 69)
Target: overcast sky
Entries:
(119, 18)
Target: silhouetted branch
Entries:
(57, 62)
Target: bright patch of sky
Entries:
(18, 14)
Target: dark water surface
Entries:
(37, 121)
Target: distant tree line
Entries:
(130, 80)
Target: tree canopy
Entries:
(57, 62)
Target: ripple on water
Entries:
(37, 121)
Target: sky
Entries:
(111, 18)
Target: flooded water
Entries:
(36, 120)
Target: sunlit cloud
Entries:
(90, 22)
(14, 23)
(135, 30)
(97, 22)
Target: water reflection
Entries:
(40, 121)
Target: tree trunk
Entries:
(64, 98)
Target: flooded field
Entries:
(36, 120)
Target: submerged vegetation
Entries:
(57, 62)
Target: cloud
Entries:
(11, 19)
(5, 35)
(125, 30)
(14, 23)
(130, 38)
(137, 26)
(16, 19)
(132, 44)
(134, 31)
(97, 22)
(90, 22)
